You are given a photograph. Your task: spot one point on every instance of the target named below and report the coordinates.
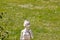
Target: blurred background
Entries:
(44, 16)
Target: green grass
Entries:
(44, 16)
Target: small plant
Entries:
(3, 34)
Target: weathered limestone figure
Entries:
(26, 33)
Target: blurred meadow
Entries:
(44, 16)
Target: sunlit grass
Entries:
(44, 16)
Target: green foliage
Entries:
(44, 16)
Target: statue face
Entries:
(26, 23)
